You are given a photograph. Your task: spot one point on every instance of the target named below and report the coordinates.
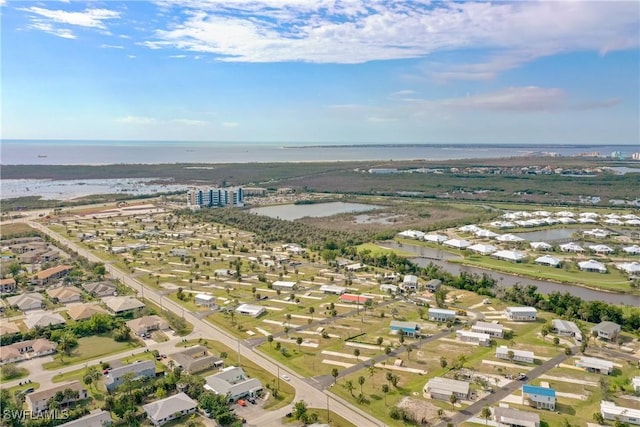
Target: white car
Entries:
(286, 377)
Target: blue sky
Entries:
(322, 71)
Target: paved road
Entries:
(491, 399)
(314, 396)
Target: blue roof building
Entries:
(539, 397)
(410, 329)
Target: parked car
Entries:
(286, 377)
(522, 377)
(242, 402)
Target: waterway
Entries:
(549, 235)
(438, 257)
(292, 212)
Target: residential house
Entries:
(457, 243)
(100, 289)
(595, 365)
(7, 286)
(233, 383)
(9, 354)
(97, 418)
(612, 412)
(493, 329)
(122, 305)
(333, 289)
(409, 283)
(592, 266)
(606, 330)
(37, 402)
(196, 359)
(65, 294)
(540, 246)
(162, 411)
(284, 286)
(28, 301)
(355, 267)
(137, 370)
(566, 328)
(442, 388)
(524, 356)
(548, 260)
(8, 328)
(388, 288)
(571, 247)
(508, 417)
(50, 275)
(250, 310)
(510, 255)
(42, 320)
(433, 285)
(410, 329)
(478, 338)
(521, 314)
(84, 311)
(539, 397)
(354, 299)
(205, 300)
(145, 324)
(441, 314)
(179, 252)
(635, 383)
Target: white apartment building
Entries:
(215, 197)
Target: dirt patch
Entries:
(420, 410)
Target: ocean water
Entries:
(43, 152)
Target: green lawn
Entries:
(334, 420)
(12, 372)
(377, 250)
(91, 348)
(14, 389)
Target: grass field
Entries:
(91, 348)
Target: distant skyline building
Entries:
(214, 197)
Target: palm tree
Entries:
(349, 385)
(372, 371)
(385, 390)
(270, 339)
(486, 414)
(361, 381)
(299, 341)
(453, 399)
(356, 353)
(334, 374)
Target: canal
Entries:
(430, 255)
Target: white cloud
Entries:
(230, 124)
(177, 56)
(366, 30)
(89, 18)
(511, 99)
(48, 28)
(136, 120)
(188, 122)
(131, 56)
(404, 92)
(111, 46)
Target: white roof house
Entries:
(471, 228)
(443, 388)
(548, 260)
(162, 411)
(634, 222)
(232, 382)
(509, 238)
(457, 243)
(98, 418)
(525, 356)
(632, 250)
(571, 247)
(482, 233)
(412, 234)
(632, 268)
(482, 249)
(437, 238)
(540, 246)
(635, 382)
(597, 232)
(593, 266)
(409, 282)
(566, 328)
(521, 313)
(441, 314)
(601, 249)
(250, 310)
(333, 289)
(474, 337)
(28, 301)
(508, 417)
(388, 288)
(285, 286)
(587, 221)
(593, 364)
(493, 329)
(205, 300)
(510, 255)
(612, 412)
